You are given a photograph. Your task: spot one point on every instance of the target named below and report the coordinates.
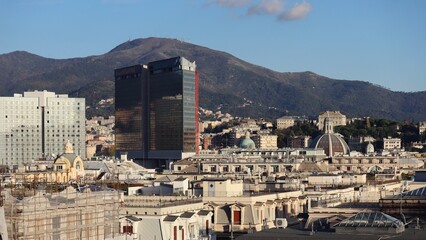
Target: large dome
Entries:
(333, 144)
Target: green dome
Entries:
(247, 143)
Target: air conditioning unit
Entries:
(281, 222)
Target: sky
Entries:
(379, 41)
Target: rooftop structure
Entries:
(411, 203)
(370, 222)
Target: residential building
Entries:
(265, 141)
(157, 111)
(391, 143)
(36, 124)
(298, 142)
(285, 122)
(235, 137)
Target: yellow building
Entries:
(68, 166)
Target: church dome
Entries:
(247, 142)
(332, 143)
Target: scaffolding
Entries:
(90, 212)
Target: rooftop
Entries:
(371, 219)
(295, 233)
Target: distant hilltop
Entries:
(226, 83)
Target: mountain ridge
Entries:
(225, 82)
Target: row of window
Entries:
(64, 103)
(23, 153)
(22, 139)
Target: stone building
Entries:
(335, 117)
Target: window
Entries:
(237, 217)
(128, 229)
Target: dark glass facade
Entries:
(130, 106)
(157, 110)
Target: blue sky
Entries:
(379, 41)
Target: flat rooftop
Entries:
(294, 233)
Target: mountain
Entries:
(226, 83)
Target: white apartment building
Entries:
(38, 123)
(285, 122)
(391, 143)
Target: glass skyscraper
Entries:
(157, 111)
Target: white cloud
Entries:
(298, 11)
(269, 7)
(231, 3)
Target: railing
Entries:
(156, 204)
